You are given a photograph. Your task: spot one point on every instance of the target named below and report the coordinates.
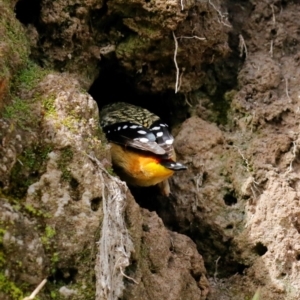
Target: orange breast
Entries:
(137, 167)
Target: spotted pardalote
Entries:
(141, 145)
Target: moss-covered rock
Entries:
(14, 49)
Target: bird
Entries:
(142, 149)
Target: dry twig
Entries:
(254, 184)
(178, 75)
(271, 48)
(176, 65)
(216, 268)
(180, 79)
(287, 90)
(191, 37)
(221, 16)
(187, 101)
(244, 159)
(294, 150)
(36, 291)
(128, 277)
(242, 46)
(273, 13)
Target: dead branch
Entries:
(187, 101)
(191, 37)
(115, 245)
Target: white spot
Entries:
(155, 128)
(108, 131)
(142, 132)
(125, 126)
(163, 125)
(144, 140)
(169, 142)
(119, 128)
(159, 134)
(133, 126)
(172, 165)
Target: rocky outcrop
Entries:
(51, 207)
(54, 182)
(14, 48)
(65, 217)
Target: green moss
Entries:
(133, 45)
(85, 288)
(229, 96)
(69, 122)
(29, 76)
(110, 171)
(16, 38)
(2, 256)
(49, 232)
(53, 294)
(55, 258)
(49, 106)
(220, 108)
(32, 211)
(145, 28)
(19, 111)
(65, 159)
(47, 237)
(2, 259)
(10, 288)
(87, 292)
(48, 240)
(27, 169)
(13, 37)
(2, 232)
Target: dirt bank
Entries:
(225, 75)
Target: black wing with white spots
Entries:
(163, 137)
(134, 126)
(133, 135)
